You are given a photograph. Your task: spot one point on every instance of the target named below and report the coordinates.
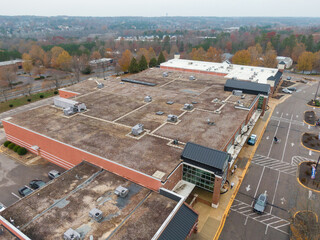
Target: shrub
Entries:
(29, 99)
(6, 143)
(41, 96)
(56, 92)
(10, 105)
(15, 148)
(22, 151)
(11, 145)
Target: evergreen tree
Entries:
(133, 67)
(143, 64)
(161, 58)
(153, 62)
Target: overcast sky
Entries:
(220, 8)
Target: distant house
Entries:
(287, 60)
(101, 61)
(17, 63)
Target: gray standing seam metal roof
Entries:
(180, 225)
(247, 85)
(204, 155)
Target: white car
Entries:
(286, 90)
(2, 207)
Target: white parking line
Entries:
(282, 225)
(268, 219)
(16, 195)
(285, 144)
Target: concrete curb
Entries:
(226, 212)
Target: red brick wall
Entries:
(216, 190)
(174, 178)
(67, 156)
(192, 71)
(13, 230)
(67, 94)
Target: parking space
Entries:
(273, 170)
(14, 175)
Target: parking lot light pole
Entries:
(315, 96)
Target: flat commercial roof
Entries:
(247, 87)
(66, 202)
(104, 129)
(241, 72)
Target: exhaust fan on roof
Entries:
(96, 214)
(121, 191)
(71, 234)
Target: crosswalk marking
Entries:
(267, 219)
(298, 159)
(287, 120)
(275, 164)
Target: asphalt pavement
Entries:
(273, 170)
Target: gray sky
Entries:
(220, 8)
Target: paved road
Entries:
(14, 175)
(273, 170)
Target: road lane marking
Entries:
(285, 144)
(275, 192)
(275, 135)
(255, 194)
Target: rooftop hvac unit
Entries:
(96, 214)
(192, 78)
(137, 129)
(172, 118)
(100, 85)
(147, 98)
(241, 68)
(215, 100)
(188, 106)
(80, 107)
(69, 111)
(165, 74)
(159, 113)
(243, 96)
(237, 92)
(71, 234)
(121, 191)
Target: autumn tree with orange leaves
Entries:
(125, 60)
(242, 57)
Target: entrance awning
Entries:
(183, 188)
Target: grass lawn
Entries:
(5, 106)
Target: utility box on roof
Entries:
(71, 234)
(137, 129)
(192, 78)
(121, 191)
(100, 85)
(188, 106)
(165, 74)
(96, 214)
(237, 92)
(147, 98)
(172, 118)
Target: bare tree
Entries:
(9, 74)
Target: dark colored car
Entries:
(293, 89)
(25, 191)
(261, 203)
(252, 139)
(35, 184)
(53, 174)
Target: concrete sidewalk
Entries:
(211, 220)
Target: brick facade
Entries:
(174, 178)
(68, 156)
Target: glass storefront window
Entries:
(200, 178)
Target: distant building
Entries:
(17, 63)
(101, 61)
(287, 60)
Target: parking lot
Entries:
(14, 175)
(273, 170)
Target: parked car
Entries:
(288, 78)
(35, 184)
(252, 139)
(293, 89)
(53, 174)
(25, 191)
(261, 203)
(2, 207)
(286, 90)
